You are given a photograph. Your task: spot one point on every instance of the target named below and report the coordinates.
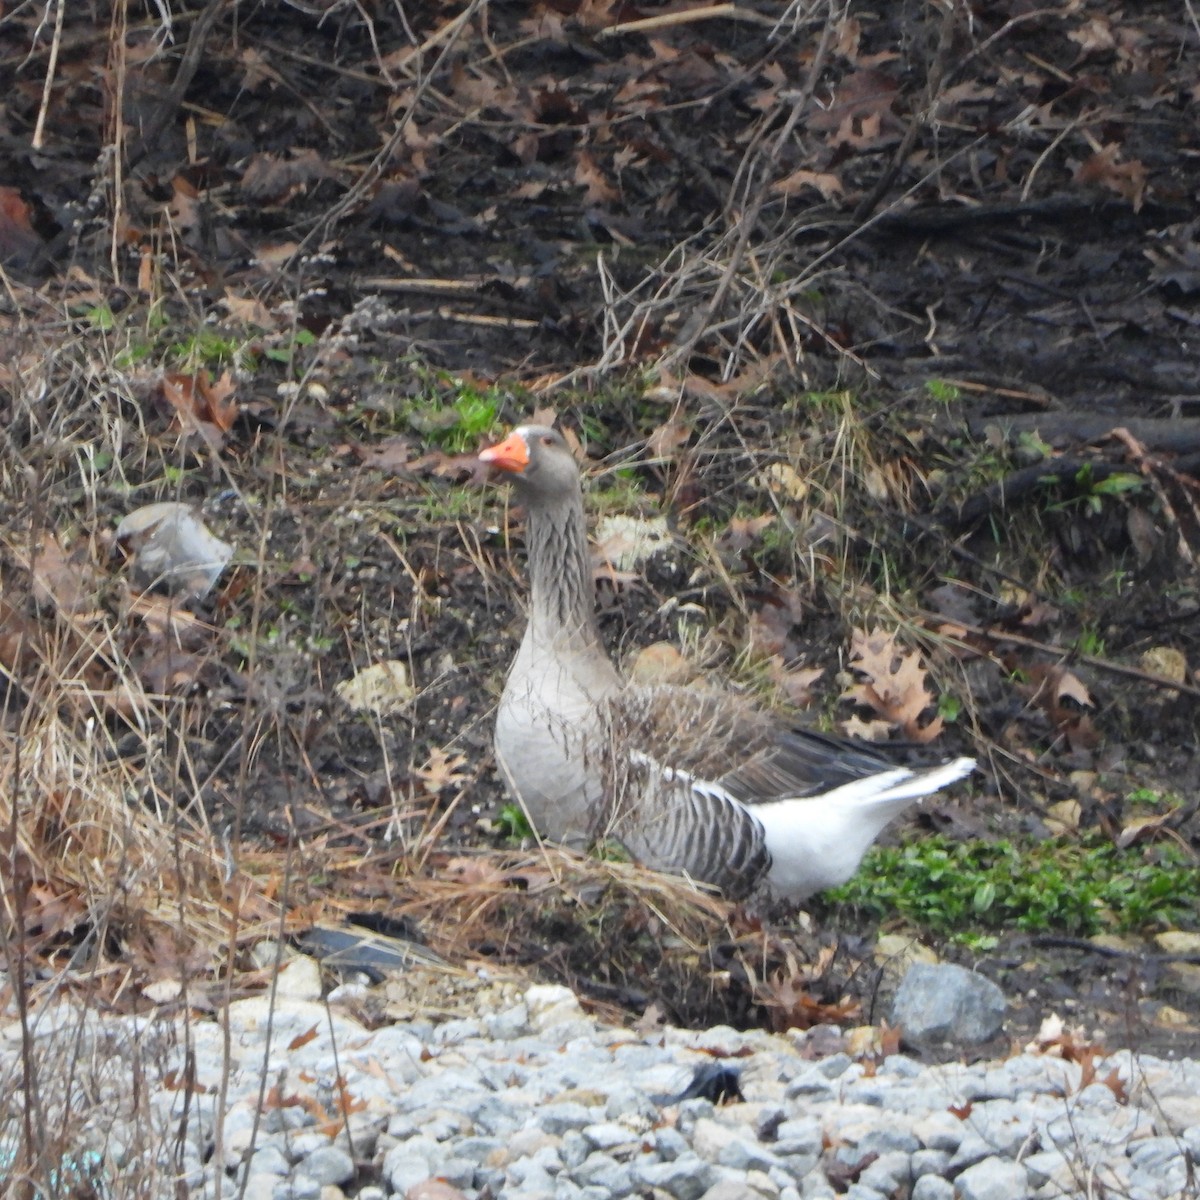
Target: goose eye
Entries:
(547, 440)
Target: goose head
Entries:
(540, 463)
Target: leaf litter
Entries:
(584, 127)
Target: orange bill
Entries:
(509, 455)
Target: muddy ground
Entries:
(963, 245)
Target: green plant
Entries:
(1149, 798)
(209, 347)
(942, 391)
(1092, 492)
(512, 823)
(285, 354)
(457, 424)
(100, 317)
(1081, 888)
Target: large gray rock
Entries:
(945, 1003)
(993, 1179)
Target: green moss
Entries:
(1079, 888)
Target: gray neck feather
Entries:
(563, 597)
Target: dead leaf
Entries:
(867, 731)
(20, 243)
(856, 111)
(796, 683)
(441, 771)
(1093, 36)
(829, 186)
(268, 177)
(184, 206)
(201, 405)
(895, 684)
(389, 455)
(249, 311)
(1143, 828)
(667, 438)
(598, 190)
(303, 1039)
(743, 532)
(381, 688)
(68, 582)
(1127, 179)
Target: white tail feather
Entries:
(817, 842)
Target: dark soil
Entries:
(995, 246)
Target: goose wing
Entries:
(666, 817)
(718, 737)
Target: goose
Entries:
(690, 780)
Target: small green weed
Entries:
(943, 392)
(1093, 492)
(1079, 888)
(209, 347)
(459, 423)
(512, 824)
(1149, 798)
(1031, 448)
(299, 340)
(100, 317)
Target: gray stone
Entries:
(558, 1118)
(494, 1114)
(477, 1149)
(726, 1189)
(329, 1164)
(1155, 1155)
(888, 1172)
(410, 1163)
(301, 1145)
(888, 1140)
(971, 1150)
(686, 1178)
(902, 1066)
(815, 1186)
(929, 1162)
(526, 1174)
(835, 1065)
(509, 1024)
(1048, 1166)
(933, 1187)
(810, 1082)
(627, 1101)
(609, 1136)
(269, 1159)
(459, 1172)
(992, 1179)
(573, 1149)
(259, 1187)
(940, 1131)
(603, 1171)
(299, 1187)
(461, 1029)
(799, 1136)
(860, 1191)
(670, 1143)
(946, 1003)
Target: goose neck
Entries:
(562, 595)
